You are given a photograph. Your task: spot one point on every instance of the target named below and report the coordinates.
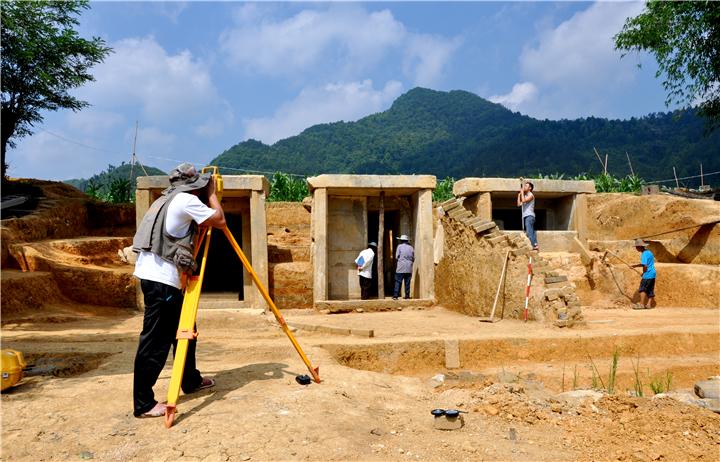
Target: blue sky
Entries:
(200, 77)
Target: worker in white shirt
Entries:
(364, 263)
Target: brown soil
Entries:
(624, 216)
(352, 415)
(467, 277)
(65, 212)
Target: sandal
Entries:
(157, 411)
(638, 306)
(206, 383)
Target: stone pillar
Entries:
(249, 291)
(142, 204)
(319, 244)
(258, 233)
(579, 219)
(405, 217)
(425, 279)
(381, 247)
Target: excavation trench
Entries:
(560, 363)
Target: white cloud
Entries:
(342, 39)
(165, 88)
(581, 51)
(427, 55)
(573, 69)
(329, 103)
(520, 94)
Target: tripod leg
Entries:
(185, 333)
(313, 371)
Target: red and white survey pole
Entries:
(527, 288)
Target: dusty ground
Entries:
(258, 411)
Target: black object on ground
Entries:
(303, 379)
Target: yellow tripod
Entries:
(186, 329)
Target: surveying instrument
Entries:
(191, 300)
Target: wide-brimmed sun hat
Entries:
(404, 237)
(185, 177)
(640, 243)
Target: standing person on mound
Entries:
(364, 263)
(164, 243)
(526, 200)
(404, 258)
(647, 283)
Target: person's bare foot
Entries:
(157, 411)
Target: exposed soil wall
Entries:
(614, 216)
(467, 276)
(65, 212)
(290, 269)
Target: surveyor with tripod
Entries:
(164, 242)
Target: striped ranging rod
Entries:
(527, 288)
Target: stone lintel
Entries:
(230, 182)
(472, 186)
(377, 182)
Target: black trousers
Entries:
(365, 286)
(162, 316)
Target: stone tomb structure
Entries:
(243, 201)
(560, 207)
(348, 211)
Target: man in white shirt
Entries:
(160, 278)
(364, 263)
(526, 200)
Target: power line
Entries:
(79, 143)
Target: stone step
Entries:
(486, 226)
(553, 279)
(497, 240)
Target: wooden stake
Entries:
(677, 183)
(702, 180)
(632, 172)
(597, 154)
(380, 242)
(606, 164)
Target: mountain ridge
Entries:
(460, 134)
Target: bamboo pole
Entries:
(632, 172)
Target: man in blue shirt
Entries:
(647, 283)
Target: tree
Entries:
(684, 37)
(43, 59)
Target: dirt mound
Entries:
(65, 212)
(27, 292)
(610, 427)
(624, 216)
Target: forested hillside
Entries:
(459, 134)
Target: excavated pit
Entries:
(560, 363)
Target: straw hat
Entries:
(640, 243)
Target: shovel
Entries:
(497, 293)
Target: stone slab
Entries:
(387, 304)
(445, 423)
(706, 389)
(552, 279)
(380, 182)
(230, 182)
(472, 186)
(452, 354)
(479, 228)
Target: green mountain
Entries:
(459, 134)
(101, 182)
